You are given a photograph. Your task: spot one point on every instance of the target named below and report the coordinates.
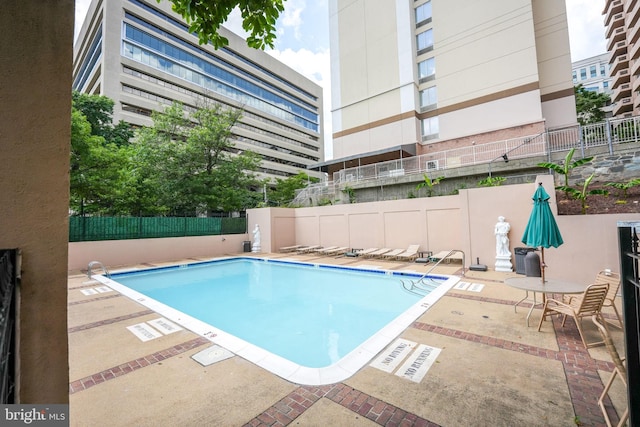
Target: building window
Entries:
(603, 70)
(427, 68)
(423, 14)
(583, 74)
(593, 72)
(605, 85)
(430, 128)
(575, 76)
(425, 40)
(428, 97)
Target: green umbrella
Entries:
(542, 229)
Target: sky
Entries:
(303, 40)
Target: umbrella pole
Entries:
(542, 264)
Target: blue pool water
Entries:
(311, 315)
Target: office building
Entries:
(622, 29)
(593, 73)
(140, 54)
(415, 77)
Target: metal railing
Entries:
(630, 283)
(421, 286)
(8, 283)
(609, 133)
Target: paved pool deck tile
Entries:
(492, 369)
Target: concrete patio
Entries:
(492, 370)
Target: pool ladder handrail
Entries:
(415, 284)
(99, 264)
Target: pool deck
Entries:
(492, 370)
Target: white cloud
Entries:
(586, 28)
(82, 6)
(292, 17)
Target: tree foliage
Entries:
(97, 164)
(182, 165)
(284, 190)
(98, 111)
(206, 16)
(589, 105)
(191, 165)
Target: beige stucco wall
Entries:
(35, 111)
(465, 222)
(114, 253)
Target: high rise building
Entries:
(622, 30)
(140, 54)
(414, 77)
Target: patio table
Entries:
(535, 285)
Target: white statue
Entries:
(502, 237)
(256, 239)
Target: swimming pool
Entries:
(308, 323)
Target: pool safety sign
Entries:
(417, 359)
(145, 332)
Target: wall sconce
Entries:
(506, 159)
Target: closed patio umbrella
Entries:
(542, 230)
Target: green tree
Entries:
(284, 190)
(97, 170)
(191, 163)
(206, 16)
(589, 105)
(98, 110)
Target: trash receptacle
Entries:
(246, 246)
(532, 265)
(520, 254)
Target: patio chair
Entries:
(589, 304)
(410, 254)
(377, 253)
(619, 370)
(613, 279)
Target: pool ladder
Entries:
(97, 264)
(422, 288)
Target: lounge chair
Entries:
(291, 248)
(307, 249)
(587, 305)
(335, 251)
(378, 253)
(392, 254)
(325, 251)
(410, 254)
(363, 252)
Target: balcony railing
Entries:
(610, 133)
